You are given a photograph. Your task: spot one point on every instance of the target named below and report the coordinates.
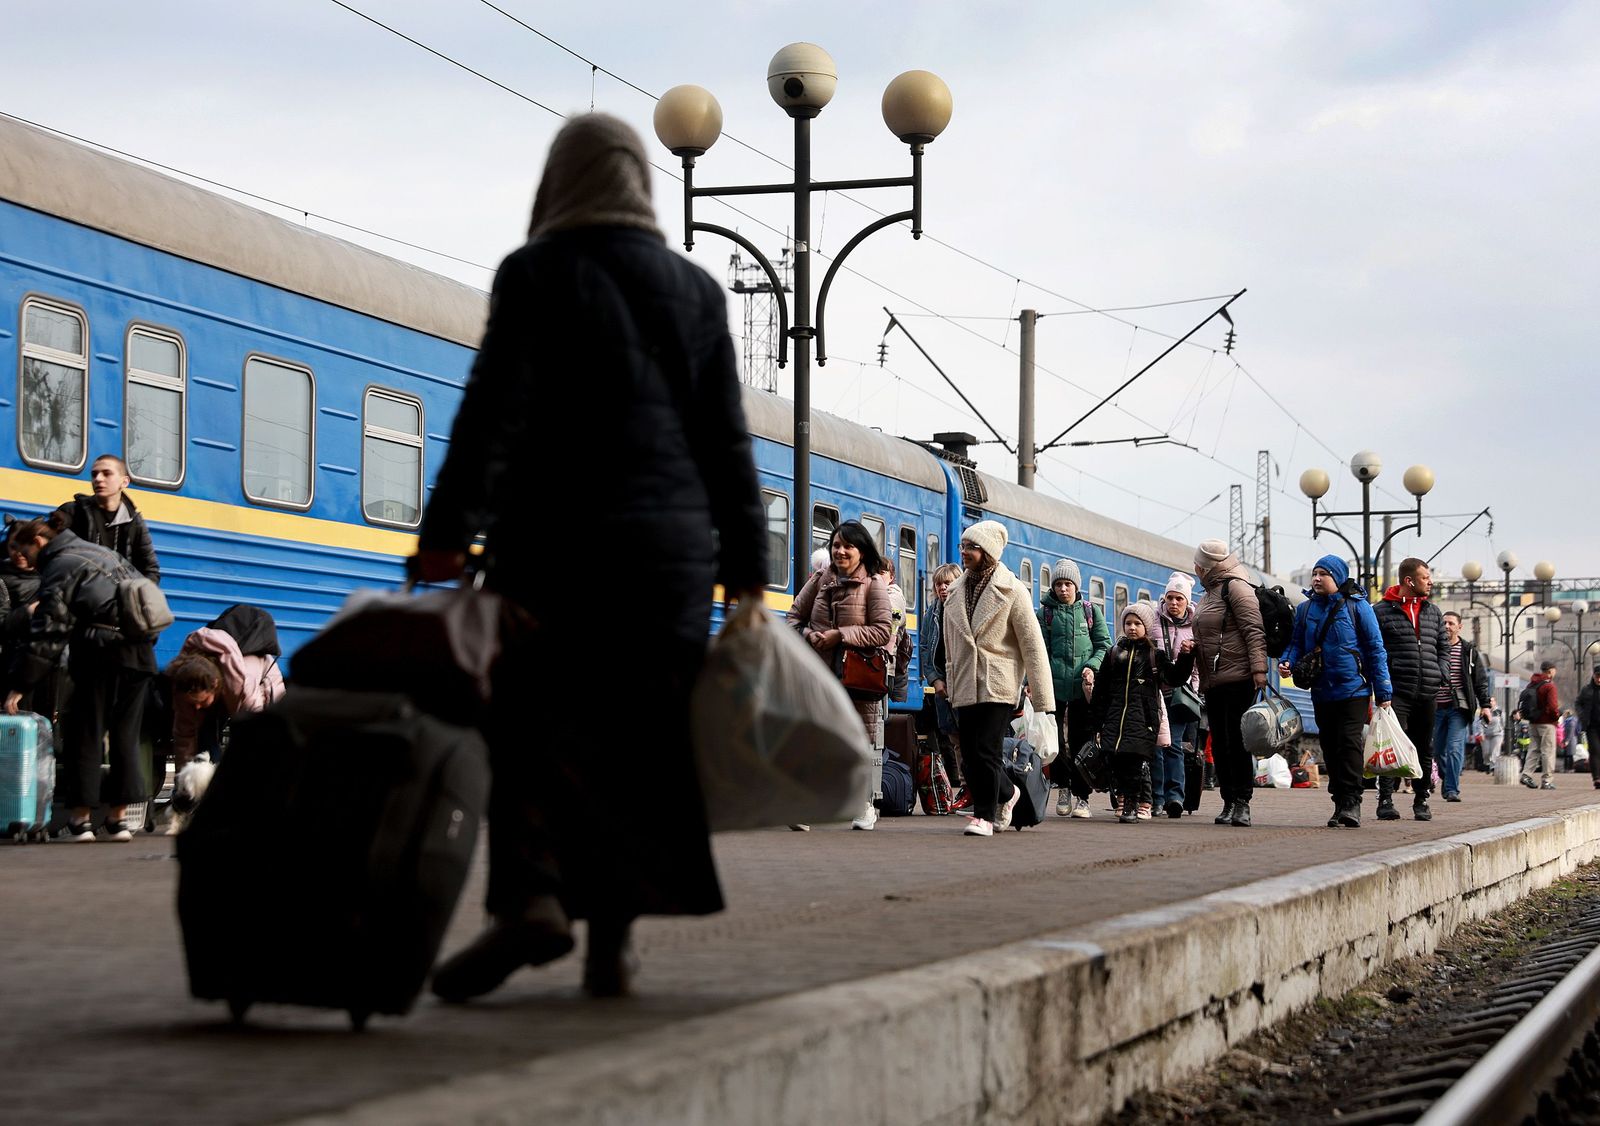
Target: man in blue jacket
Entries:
(1337, 623)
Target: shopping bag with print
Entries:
(1388, 752)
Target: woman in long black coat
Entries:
(647, 458)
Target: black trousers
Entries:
(983, 727)
(107, 699)
(1236, 767)
(1077, 731)
(1133, 777)
(1339, 723)
(1416, 720)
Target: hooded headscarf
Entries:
(597, 175)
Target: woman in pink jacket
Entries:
(212, 679)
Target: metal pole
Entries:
(1505, 641)
(1367, 561)
(802, 332)
(1026, 463)
(1388, 557)
(1266, 544)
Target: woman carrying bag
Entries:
(844, 613)
(1335, 651)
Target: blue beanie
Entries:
(1336, 567)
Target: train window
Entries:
(905, 571)
(930, 564)
(391, 458)
(1144, 595)
(54, 385)
(278, 400)
(777, 506)
(875, 529)
(1026, 575)
(1122, 606)
(823, 521)
(154, 422)
(1097, 595)
(1044, 579)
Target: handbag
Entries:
(864, 673)
(1093, 766)
(1270, 724)
(1185, 706)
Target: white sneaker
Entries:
(868, 819)
(1080, 807)
(1064, 804)
(978, 827)
(1002, 817)
(800, 828)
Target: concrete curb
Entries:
(1060, 1028)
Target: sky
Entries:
(1408, 192)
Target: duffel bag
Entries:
(1270, 724)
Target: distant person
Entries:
(78, 611)
(1231, 654)
(1337, 621)
(596, 313)
(847, 605)
(1175, 626)
(939, 718)
(1569, 737)
(1463, 695)
(108, 517)
(1414, 637)
(1494, 734)
(1077, 639)
(1588, 713)
(1543, 714)
(991, 645)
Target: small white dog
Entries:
(188, 788)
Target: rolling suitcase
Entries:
(329, 852)
(27, 776)
(1026, 771)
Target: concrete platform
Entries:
(905, 975)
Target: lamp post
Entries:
(1576, 646)
(801, 78)
(1543, 571)
(1365, 466)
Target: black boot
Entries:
(609, 964)
(1386, 809)
(541, 935)
(1241, 814)
(1350, 814)
(1226, 816)
(1419, 808)
(1338, 808)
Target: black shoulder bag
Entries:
(1308, 669)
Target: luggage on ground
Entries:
(899, 793)
(1026, 770)
(933, 782)
(1194, 779)
(325, 862)
(27, 776)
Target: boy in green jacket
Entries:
(1076, 637)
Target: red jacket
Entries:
(1549, 709)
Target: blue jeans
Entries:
(1166, 766)
(1449, 746)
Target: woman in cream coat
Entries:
(991, 642)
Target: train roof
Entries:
(83, 185)
(1010, 499)
(772, 417)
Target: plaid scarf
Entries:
(977, 583)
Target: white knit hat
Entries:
(1145, 612)
(1181, 583)
(1210, 553)
(990, 535)
(1068, 570)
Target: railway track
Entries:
(1528, 1052)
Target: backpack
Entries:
(1277, 615)
(1528, 701)
(1088, 615)
(142, 610)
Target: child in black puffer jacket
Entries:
(1129, 709)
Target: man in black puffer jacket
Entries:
(1419, 661)
(78, 604)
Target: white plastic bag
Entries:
(776, 739)
(1042, 734)
(1387, 752)
(1273, 771)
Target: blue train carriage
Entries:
(894, 487)
(281, 397)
